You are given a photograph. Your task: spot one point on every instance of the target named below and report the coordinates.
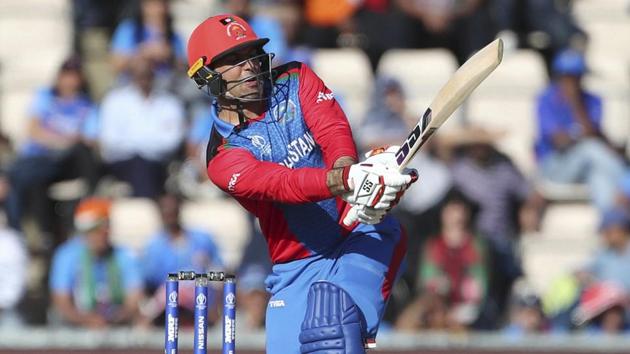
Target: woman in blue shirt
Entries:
(58, 146)
(148, 33)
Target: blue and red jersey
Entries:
(276, 165)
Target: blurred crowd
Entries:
(121, 119)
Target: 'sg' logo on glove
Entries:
(367, 186)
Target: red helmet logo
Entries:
(236, 30)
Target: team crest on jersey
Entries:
(261, 144)
(285, 111)
(236, 30)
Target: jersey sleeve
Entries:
(324, 117)
(237, 172)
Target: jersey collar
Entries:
(223, 128)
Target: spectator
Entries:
(623, 197)
(610, 265)
(526, 315)
(91, 16)
(453, 272)
(546, 26)
(192, 178)
(264, 26)
(369, 20)
(94, 22)
(150, 34)
(252, 295)
(570, 146)
(386, 121)
(603, 309)
(560, 300)
(141, 129)
(199, 134)
(173, 249)
(492, 181)
(13, 269)
(93, 283)
(255, 266)
(57, 147)
(612, 262)
(289, 16)
(462, 26)
(420, 210)
(177, 248)
(325, 20)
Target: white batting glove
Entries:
(373, 185)
(385, 155)
(364, 215)
(371, 208)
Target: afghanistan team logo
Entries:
(285, 111)
(233, 28)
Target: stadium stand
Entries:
(426, 70)
(226, 220)
(133, 222)
(347, 73)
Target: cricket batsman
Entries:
(282, 147)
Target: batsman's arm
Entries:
(237, 172)
(325, 119)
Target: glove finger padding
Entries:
(352, 216)
(370, 215)
(390, 194)
(363, 214)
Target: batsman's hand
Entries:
(376, 186)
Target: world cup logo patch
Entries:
(172, 299)
(230, 301)
(201, 300)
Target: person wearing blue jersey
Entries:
(571, 146)
(93, 283)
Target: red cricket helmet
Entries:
(218, 36)
(214, 38)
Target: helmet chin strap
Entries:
(239, 111)
(238, 107)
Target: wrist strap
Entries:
(344, 176)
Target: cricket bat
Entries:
(451, 95)
(448, 99)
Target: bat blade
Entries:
(450, 97)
